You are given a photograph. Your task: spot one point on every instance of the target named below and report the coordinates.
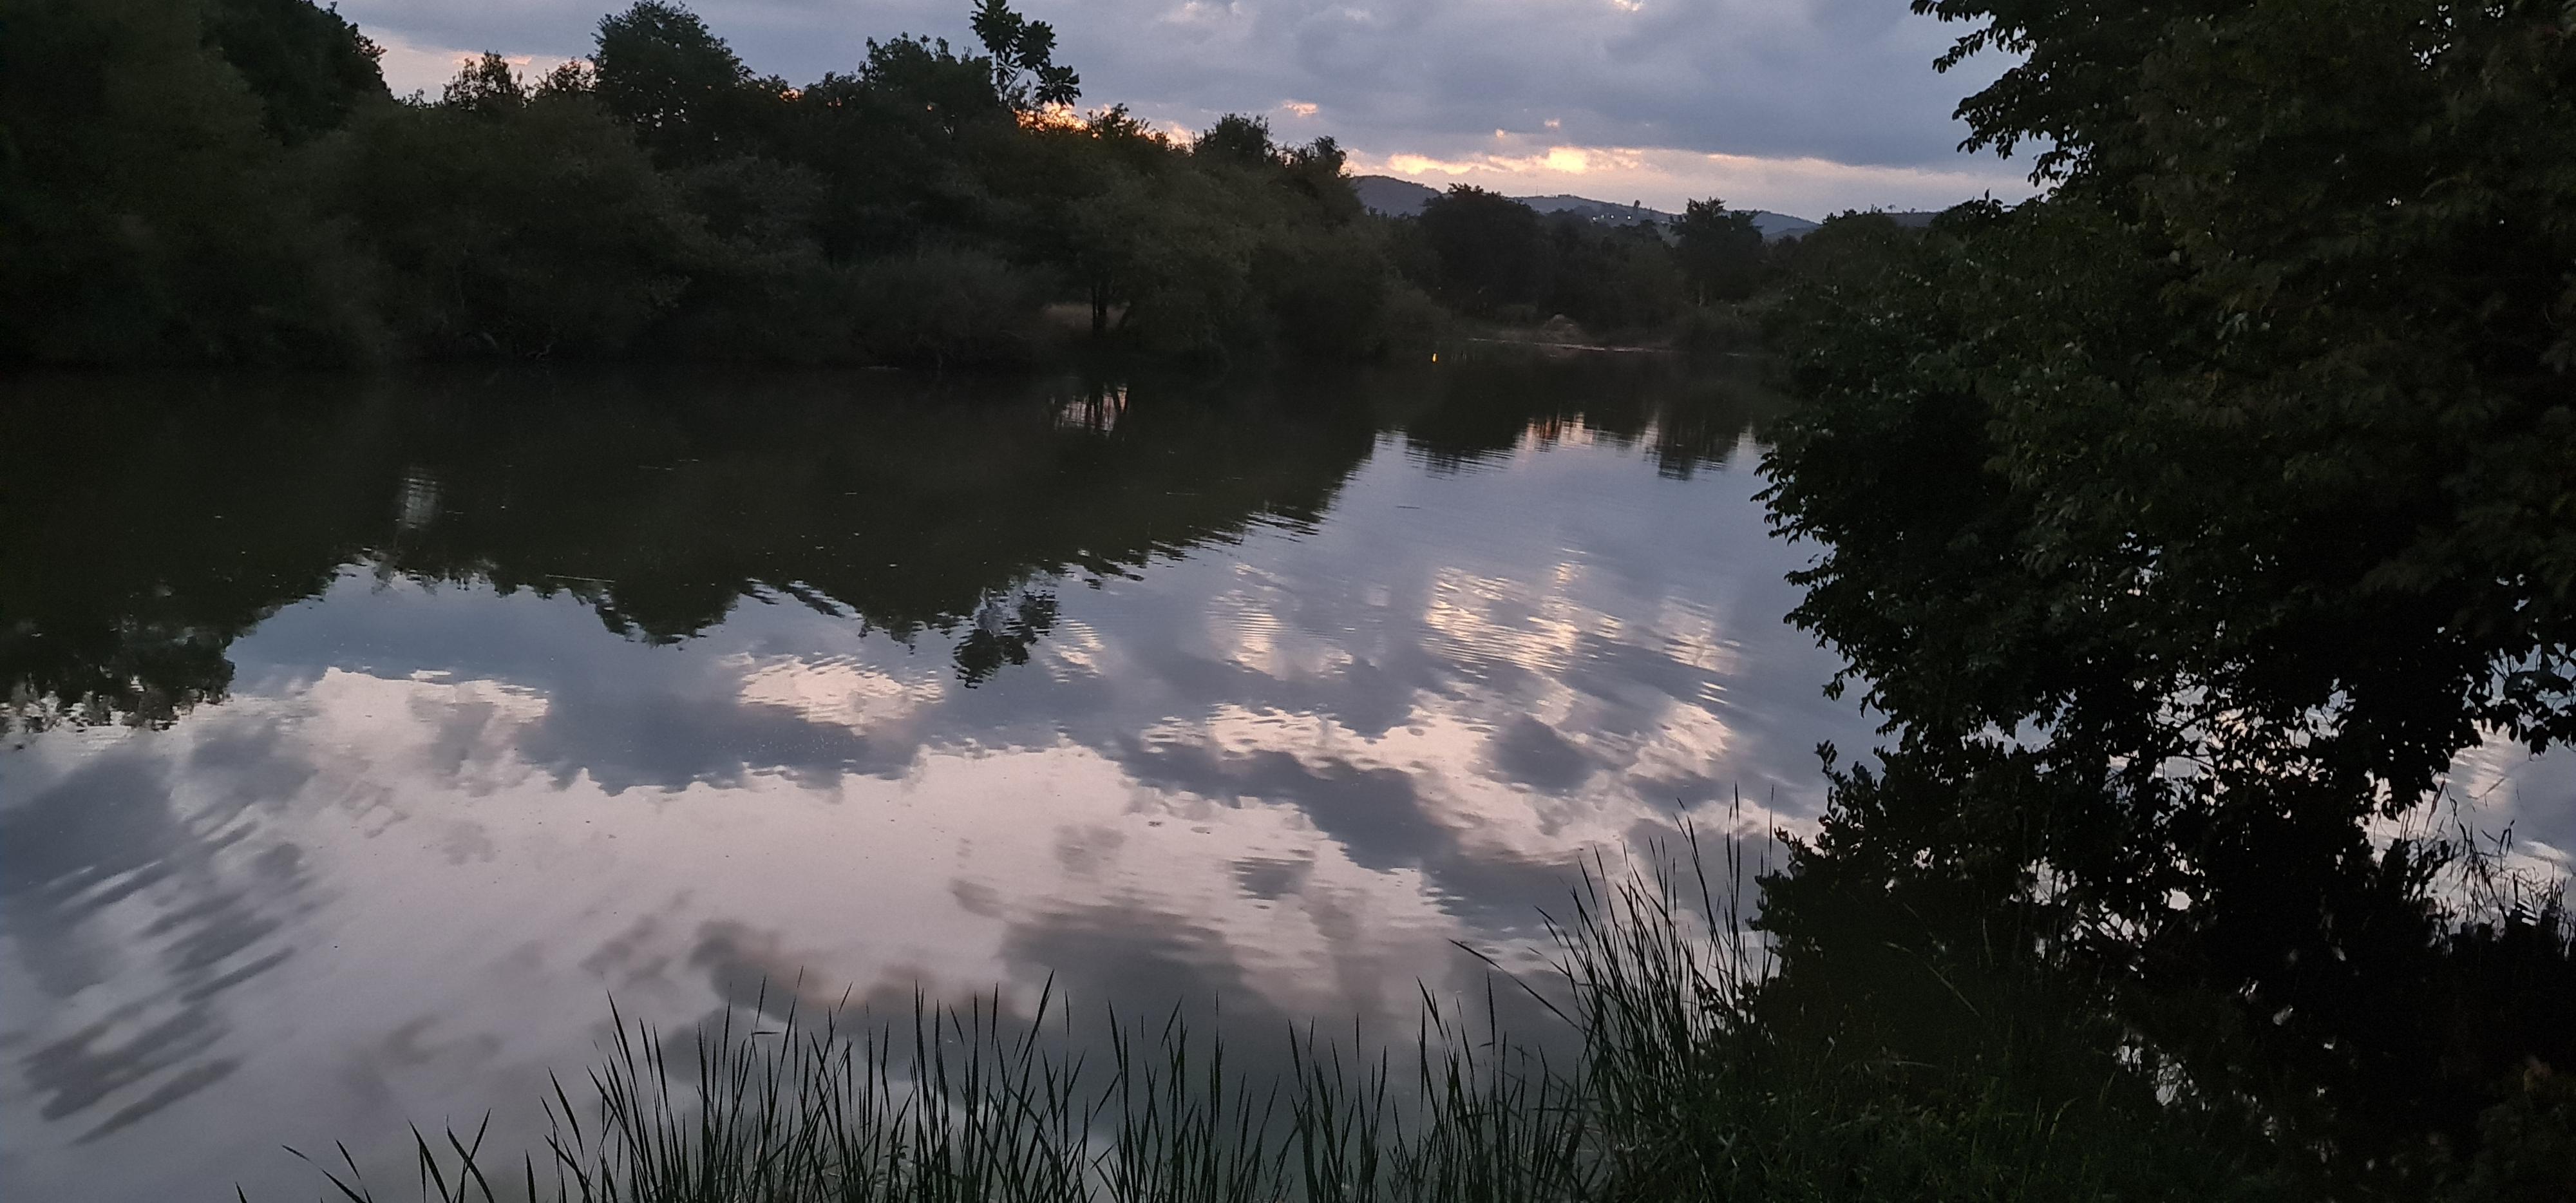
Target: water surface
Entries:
(364, 737)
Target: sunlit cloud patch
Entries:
(1665, 178)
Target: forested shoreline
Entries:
(229, 182)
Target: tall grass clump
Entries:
(1692, 1075)
(1723, 1058)
(971, 1103)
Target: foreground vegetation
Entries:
(1691, 1065)
(2189, 522)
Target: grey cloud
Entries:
(1835, 79)
(111, 832)
(1271, 878)
(671, 738)
(1530, 751)
(1375, 814)
(632, 715)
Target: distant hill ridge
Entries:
(1403, 198)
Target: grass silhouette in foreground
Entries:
(1684, 1085)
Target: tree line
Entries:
(229, 181)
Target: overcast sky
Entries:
(1798, 106)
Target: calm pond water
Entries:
(365, 737)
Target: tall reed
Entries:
(1678, 1087)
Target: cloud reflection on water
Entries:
(435, 812)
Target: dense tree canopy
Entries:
(658, 68)
(309, 66)
(2186, 519)
(1491, 256)
(228, 181)
(1721, 251)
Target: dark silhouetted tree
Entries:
(1237, 139)
(487, 86)
(309, 66)
(1720, 251)
(147, 212)
(1491, 250)
(1025, 72)
(662, 71)
(2190, 520)
(518, 221)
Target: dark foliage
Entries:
(309, 66)
(1721, 251)
(1492, 257)
(227, 181)
(2188, 521)
(292, 211)
(151, 520)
